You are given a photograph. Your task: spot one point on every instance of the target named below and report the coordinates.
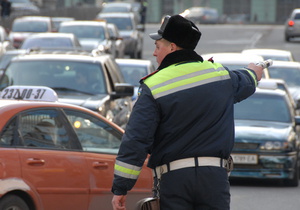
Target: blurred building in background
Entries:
(252, 11)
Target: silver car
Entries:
(292, 25)
(130, 30)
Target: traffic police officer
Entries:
(184, 119)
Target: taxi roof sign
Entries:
(30, 93)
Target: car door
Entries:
(101, 142)
(52, 163)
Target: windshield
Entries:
(122, 24)
(62, 76)
(85, 32)
(133, 74)
(290, 75)
(263, 108)
(30, 26)
(20, 1)
(115, 9)
(47, 42)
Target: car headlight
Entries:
(276, 145)
(101, 48)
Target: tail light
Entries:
(291, 23)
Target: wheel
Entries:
(13, 202)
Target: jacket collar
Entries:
(180, 56)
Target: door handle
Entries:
(100, 165)
(35, 161)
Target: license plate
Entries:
(244, 159)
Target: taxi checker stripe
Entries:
(126, 170)
(188, 81)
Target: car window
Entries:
(93, 134)
(265, 108)
(43, 128)
(115, 9)
(59, 75)
(133, 74)
(290, 76)
(38, 129)
(86, 32)
(297, 16)
(30, 26)
(46, 42)
(121, 23)
(7, 137)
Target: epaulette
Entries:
(149, 75)
(211, 60)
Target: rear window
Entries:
(297, 16)
(30, 26)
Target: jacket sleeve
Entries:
(136, 142)
(244, 83)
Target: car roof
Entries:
(113, 4)
(234, 58)
(83, 22)
(49, 34)
(133, 61)
(270, 91)
(287, 64)
(268, 51)
(115, 14)
(46, 55)
(36, 18)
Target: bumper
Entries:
(268, 167)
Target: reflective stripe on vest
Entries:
(184, 76)
(126, 170)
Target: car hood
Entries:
(90, 44)
(261, 130)
(92, 102)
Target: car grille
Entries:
(240, 145)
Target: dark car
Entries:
(91, 81)
(266, 138)
(130, 30)
(58, 156)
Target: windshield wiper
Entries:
(72, 90)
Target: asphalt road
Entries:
(250, 194)
(232, 38)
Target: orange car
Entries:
(57, 156)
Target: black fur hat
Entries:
(178, 30)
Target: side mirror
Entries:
(122, 90)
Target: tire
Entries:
(294, 182)
(287, 38)
(13, 202)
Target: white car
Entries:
(289, 71)
(235, 60)
(92, 35)
(273, 54)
